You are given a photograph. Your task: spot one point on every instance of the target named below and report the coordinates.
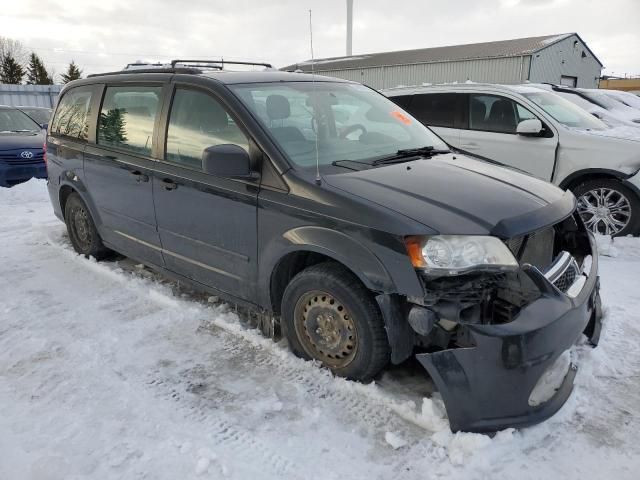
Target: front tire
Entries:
(82, 230)
(328, 315)
(608, 207)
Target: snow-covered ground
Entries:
(109, 371)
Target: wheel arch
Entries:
(581, 176)
(305, 246)
(68, 187)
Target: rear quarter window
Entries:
(436, 109)
(72, 114)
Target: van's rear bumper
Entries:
(487, 387)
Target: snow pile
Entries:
(108, 370)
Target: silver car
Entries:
(543, 134)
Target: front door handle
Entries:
(140, 177)
(470, 146)
(169, 184)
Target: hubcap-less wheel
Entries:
(604, 210)
(81, 227)
(326, 329)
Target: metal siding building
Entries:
(29, 95)
(535, 59)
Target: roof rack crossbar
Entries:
(221, 62)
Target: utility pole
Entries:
(349, 27)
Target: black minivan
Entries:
(337, 219)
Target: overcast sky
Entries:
(107, 34)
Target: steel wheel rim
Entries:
(81, 229)
(604, 210)
(326, 329)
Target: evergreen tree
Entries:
(37, 73)
(112, 127)
(10, 70)
(73, 73)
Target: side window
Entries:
(127, 118)
(435, 109)
(71, 117)
(198, 121)
(493, 113)
(402, 100)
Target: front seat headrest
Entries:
(278, 107)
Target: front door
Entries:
(207, 224)
(493, 120)
(119, 170)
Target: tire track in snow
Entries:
(227, 436)
(364, 406)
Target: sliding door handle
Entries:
(169, 184)
(140, 177)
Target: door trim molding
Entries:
(178, 256)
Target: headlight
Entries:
(455, 254)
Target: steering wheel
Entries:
(346, 131)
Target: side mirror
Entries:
(226, 160)
(530, 127)
(44, 126)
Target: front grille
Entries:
(13, 157)
(535, 248)
(567, 278)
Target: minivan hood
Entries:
(13, 141)
(454, 194)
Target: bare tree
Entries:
(15, 49)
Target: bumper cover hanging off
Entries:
(488, 387)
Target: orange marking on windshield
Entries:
(401, 116)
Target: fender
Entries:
(333, 244)
(564, 184)
(70, 178)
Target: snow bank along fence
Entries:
(29, 95)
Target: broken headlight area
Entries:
(560, 253)
(495, 343)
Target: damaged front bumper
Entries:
(488, 386)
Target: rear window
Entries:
(127, 118)
(435, 109)
(71, 118)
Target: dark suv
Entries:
(336, 218)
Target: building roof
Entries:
(503, 48)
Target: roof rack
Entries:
(222, 61)
(192, 67)
(185, 70)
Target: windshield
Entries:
(347, 121)
(15, 121)
(628, 99)
(40, 115)
(564, 111)
(601, 99)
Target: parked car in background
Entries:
(626, 98)
(597, 102)
(22, 154)
(40, 115)
(327, 211)
(543, 134)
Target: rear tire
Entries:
(608, 207)
(328, 315)
(82, 230)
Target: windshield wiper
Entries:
(404, 154)
(347, 164)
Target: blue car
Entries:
(22, 154)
